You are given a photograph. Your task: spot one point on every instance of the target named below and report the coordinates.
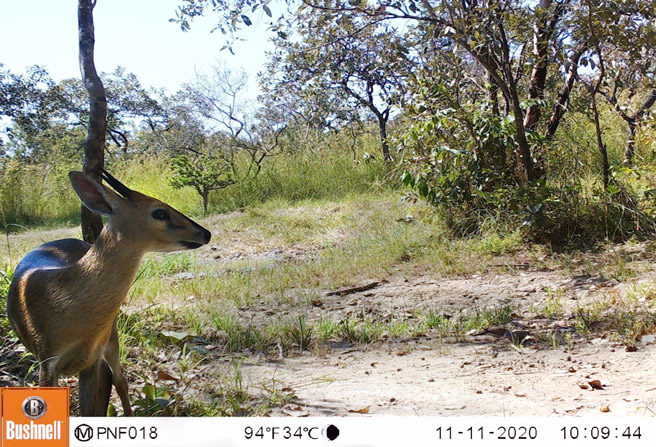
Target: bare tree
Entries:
(219, 98)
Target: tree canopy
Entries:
(469, 101)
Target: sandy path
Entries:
(493, 379)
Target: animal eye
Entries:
(160, 214)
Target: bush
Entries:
(472, 188)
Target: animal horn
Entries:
(114, 183)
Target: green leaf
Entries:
(448, 149)
(407, 179)
(174, 336)
(612, 189)
(267, 10)
(246, 20)
(149, 391)
(423, 189)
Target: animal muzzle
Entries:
(205, 235)
(200, 238)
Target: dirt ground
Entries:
(483, 373)
(479, 373)
(467, 379)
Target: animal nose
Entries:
(206, 235)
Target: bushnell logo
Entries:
(34, 417)
(34, 407)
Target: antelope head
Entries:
(141, 219)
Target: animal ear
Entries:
(93, 194)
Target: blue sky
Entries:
(135, 34)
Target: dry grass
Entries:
(257, 289)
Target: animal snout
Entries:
(205, 235)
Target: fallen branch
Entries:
(349, 290)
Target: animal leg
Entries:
(103, 388)
(88, 390)
(111, 356)
(48, 375)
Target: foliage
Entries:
(338, 68)
(43, 111)
(458, 156)
(210, 124)
(467, 96)
(5, 280)
(29, 99)
(319, 174)
(35, 194)
(457, 159)
(203, 173)
(129, 106)
(558, 211)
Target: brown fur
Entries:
(65, 295)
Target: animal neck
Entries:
(108, 268)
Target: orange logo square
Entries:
(35, 417)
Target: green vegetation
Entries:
(5, 280)
(287, 178)
(478, 139)
(204, 174)
(203, 317)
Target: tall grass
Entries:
(36, 195)
(41, 195)
(304, 175)
(579, 207)
(150, 175)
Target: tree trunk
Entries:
(94, 143)
(523, 155)
(594, 89)
(496, 154)
(562, 103)
(508, 86)
(206, 199)
(600, 142)
(633, 121)
(493, 95)
(630, 143)
(523, 151)
(543, 31)
(382, 125)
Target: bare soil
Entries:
(429, 379)
(481, 373)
